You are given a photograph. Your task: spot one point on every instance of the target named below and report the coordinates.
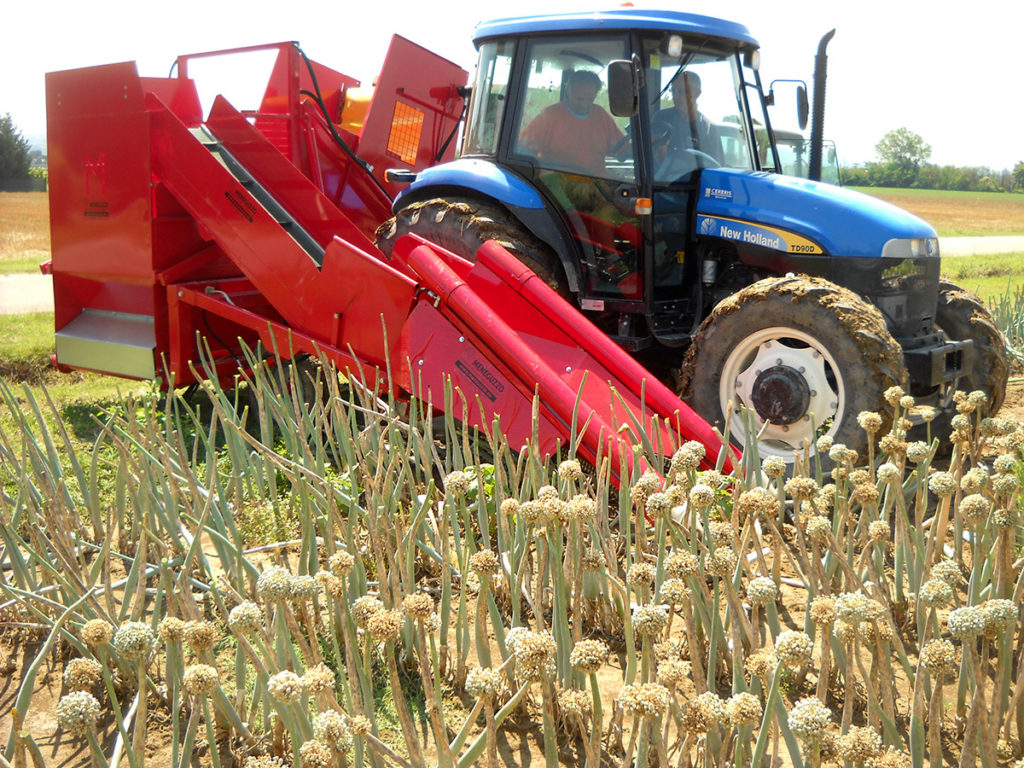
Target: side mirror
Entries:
(623, 88)
(802, 109)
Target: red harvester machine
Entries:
(257, 226)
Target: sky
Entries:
(949, 72)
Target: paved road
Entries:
(34, 293)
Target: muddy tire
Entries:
(801, 353)
(962, 315)
(462, 225)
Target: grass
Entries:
(959, 214)
(987, 276)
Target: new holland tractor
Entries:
(615, 225)
(799, 302)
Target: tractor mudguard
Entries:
(487, 182)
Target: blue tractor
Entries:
(627, 156)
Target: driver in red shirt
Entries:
(575, 133)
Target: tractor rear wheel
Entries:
(962, 315)
(462, 225)
(803, 355)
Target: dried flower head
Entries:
(315, 754)
(274, 584)
(77, 713)
(360, 726)
(702, 496)
(384, 626)
(418, 605)
(966, 622)
(133, 640)
(674, 592)
(879, 531)
(363, 608)
(200, 679)
(758, 503)
(893, 394)
(582, 508)
(939, 657)
(688, 457)
(201, 635)
(859, 744)
(870, 421)
(534, 652)
(918, 451)
(889, 473)
(318, 679)
(760, 663)
(641, 575)
(485, 564)
(1005, 464)
(648, 483)
(794, 648)
(681, 564)
(942, 484)
(974, 508)
(592, 561)
(948, 571)
(744, 710)
(82, 674)
(330, 728)
(96, 632)
(852, 607)
(802, 488)
(644, 699)
(457, 483)
(659, 506)
(935, 593)
(304, 589)
(762, 589)
(974, 480)
(246, 618)
(588, 655)
(817, 528)
(340, 563)
(483, 682)
(570, 469)
(1000, 614)
(823, 610)
(773, 467)
(672, 673)
(809, 719)
(722, 562)
(649, 620)
(575, 703)
(170, 629)
(285, 686)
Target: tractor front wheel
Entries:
(802, 355)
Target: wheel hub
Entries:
(780, 395)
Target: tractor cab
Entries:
(611, 122)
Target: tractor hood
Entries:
(799, 216)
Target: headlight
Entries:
(911, 248)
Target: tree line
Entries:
(903, 162)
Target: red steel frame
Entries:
(148, 223)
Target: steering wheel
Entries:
(678, 161)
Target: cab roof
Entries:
(618, 19)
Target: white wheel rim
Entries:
(787, 347)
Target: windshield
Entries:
(697, 115)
